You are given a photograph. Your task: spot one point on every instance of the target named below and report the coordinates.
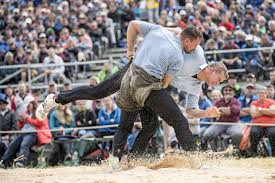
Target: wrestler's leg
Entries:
(107, 87)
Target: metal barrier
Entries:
(113, 56)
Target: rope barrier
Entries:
(116, 125)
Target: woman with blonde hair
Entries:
(62, 119)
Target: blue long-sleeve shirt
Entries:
(203, 105)
(55, 124)
(244, 104)
(104, 118)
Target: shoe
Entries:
(19, 165)
(45, 107)
(2, 165)
(114, 164)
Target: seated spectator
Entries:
(232, 81)
(251, 79)
(84, 118)
(270, 91)
(54, 72)
(109, 114)
(266, 55)
(231, 60)
(215, 96)
(229, 108)
(25, 141)
(9, 60)
(108, 69)
(21, 99)
(262, 111)
(93, 81)
(61, 119)
(8, 119)
(245, 101)
(251, 60)
(9, 95)
(272, 77)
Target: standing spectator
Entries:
(152, 7)
(245, 100)
(229, 108)
(262, 111)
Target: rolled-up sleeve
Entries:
(192, 101)
(146, 27)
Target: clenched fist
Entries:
(130, 55)
(212, 112)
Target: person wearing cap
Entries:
(216, 36)
(233, 81)
(229, 108)
(231, 60)
(251, 79)
(8, 120)
(245, 100)
(270, 91)
(262, 111)
(251, 60)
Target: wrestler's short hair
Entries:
(191, 32)
(221, 67)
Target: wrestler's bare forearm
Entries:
(166, 80)
(132, 34)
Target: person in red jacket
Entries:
(262, 111)
(25, 141)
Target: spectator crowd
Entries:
(58, 31)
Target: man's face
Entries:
(22, 89)
(190, 45)
(108, 103)
(272, 76)
(228, 93)
(81, 104)
(270, 91)
(249, 91)
(214, 77)
(3, 106)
